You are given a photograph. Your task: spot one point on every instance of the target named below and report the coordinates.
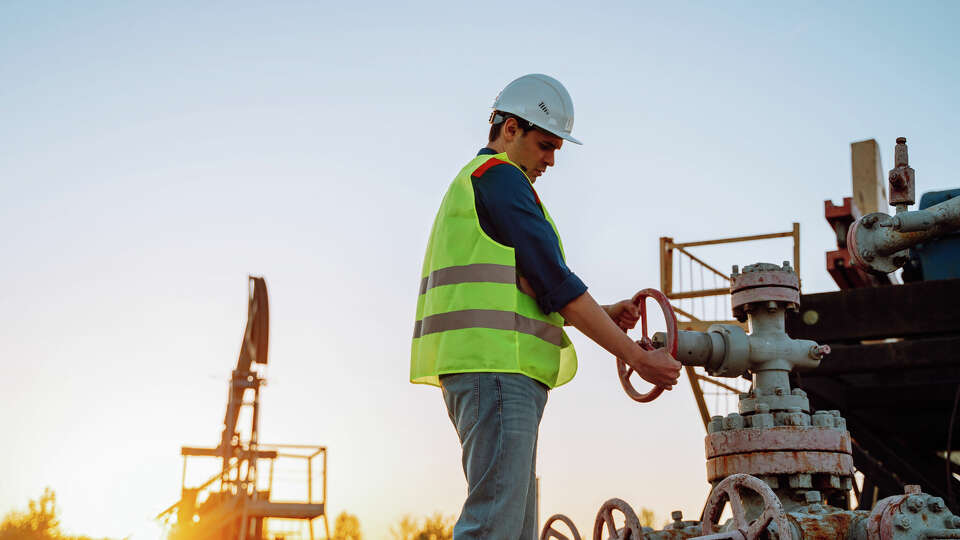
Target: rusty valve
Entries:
(631, 529)
(623, 370)
(550, 530)
(728, 490)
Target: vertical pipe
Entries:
(766, 323)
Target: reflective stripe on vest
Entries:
(488, 318)
(471, 273)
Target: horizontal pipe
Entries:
(908, 229)
(878, 241)
(703, 349)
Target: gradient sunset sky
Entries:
(155, 154)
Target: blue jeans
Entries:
(497, 416)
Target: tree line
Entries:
(433, 527)
(38, 522)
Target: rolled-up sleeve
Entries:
(510, 208)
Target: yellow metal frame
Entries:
(667, 246)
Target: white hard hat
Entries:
(540, 100)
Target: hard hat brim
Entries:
(570, 138)
(564, 136)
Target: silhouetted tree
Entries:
(647, 517)
(435, 527)
(405, 529)
(39, 522)
(347, 527)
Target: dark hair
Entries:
(497, 127)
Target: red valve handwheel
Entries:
(623, 370)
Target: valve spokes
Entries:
(729, 490)
(606, 520)
(550, 528)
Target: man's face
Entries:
(534, 152)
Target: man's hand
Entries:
(625, 313)
(596, 323)
(656, 367)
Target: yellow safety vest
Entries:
(471, 314)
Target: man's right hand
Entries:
(656, 367)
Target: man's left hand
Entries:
(625, 313)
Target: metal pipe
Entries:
(878, 241)
(766, 351)
(703, 349)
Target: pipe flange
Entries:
(775, 439)
(777, 463)
(863, 238)
(764, 282)
(775, 402)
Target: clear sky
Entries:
(153, 155)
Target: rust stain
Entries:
(771, 463)
(780, 438)
(834, 525)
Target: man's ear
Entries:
(510, 129)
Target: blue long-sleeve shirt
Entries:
(510, 214)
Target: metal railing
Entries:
(307, 484)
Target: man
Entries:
(494, 296)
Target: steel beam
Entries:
(911, 309)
